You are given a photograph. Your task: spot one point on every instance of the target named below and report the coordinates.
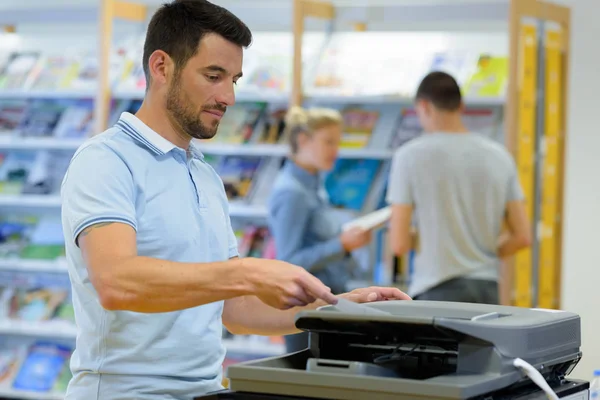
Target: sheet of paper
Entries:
(351, 307)
(371, 220)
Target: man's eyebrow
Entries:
(217, 68)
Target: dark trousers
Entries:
(464, 290)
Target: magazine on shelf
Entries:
(490, 79)
(41, 118)
(349, 182)
(359, 124)
(12, 111)
(238, 174)
(18, 69)
(54, 72)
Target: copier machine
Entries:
(417, 350)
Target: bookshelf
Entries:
(300, 66)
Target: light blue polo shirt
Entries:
(177, 204)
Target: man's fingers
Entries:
(317, 289)
(371, 294)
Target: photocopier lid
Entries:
(417, 349)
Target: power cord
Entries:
(536, 377)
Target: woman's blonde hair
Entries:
(299, 120)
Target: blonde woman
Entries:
(303, 224)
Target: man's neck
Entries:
(305, 166)
(157, 119)
(448, 124)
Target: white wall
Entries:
(581, 248)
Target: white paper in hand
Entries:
(371, 220)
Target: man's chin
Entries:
(204, 134)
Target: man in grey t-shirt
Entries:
(461, 188)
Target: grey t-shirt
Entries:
(458, 185)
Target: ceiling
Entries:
(277, 14)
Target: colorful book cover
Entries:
(11, 113)
(349, 182)
(238, 173)
(238, 123)
(11, 355)
(18, 70)
(36, 304)
(14, 171)
(259, 243)
(76, 121)
(41, 118)
(358, 127)
(54, 71)
(490, 78)
(62, 382)
(42, 367)
(408, 128)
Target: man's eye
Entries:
(213, 77)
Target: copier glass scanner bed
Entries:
(419, 350)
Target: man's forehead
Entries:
(214, 50)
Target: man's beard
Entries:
(185, 115)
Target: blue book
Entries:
(349, 182)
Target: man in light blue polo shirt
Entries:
(152, 257)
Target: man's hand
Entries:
(283, 286)
(375, 293)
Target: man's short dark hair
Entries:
(441, 89)
(177, 28)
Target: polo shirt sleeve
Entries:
(98, 187)
(233, 242)
(399, 190)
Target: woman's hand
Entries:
(355, 238)
(375, 293)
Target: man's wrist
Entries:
(248, 273)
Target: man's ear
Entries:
(160, 66)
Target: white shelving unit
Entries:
(22, 395)
(46, 330)
(30, 200)
(9, 141)
(16, 264)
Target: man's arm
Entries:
(100, 217)
(518, 235)
(249, 316)
(126, 281)
(400, 197)
(401, 234)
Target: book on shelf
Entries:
(349, 182)
(34, 366)
(490, 78)
(18, 69)
(358, 126)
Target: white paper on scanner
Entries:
(351, 307)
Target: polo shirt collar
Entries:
(134, 127)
